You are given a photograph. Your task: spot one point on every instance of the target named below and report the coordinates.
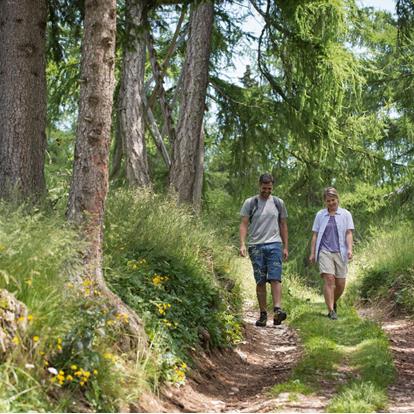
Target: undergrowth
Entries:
(386, 267)
(175, 273)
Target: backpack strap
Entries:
(278, 205)
(254, 204)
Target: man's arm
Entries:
(284, 235)
(349, 243)
(312, 257)
(244, 225)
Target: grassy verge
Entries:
(349, 352)
(176, 274)
(387, 275)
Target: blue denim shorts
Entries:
(267, 262)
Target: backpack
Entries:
(254, 204)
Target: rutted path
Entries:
(239, 380)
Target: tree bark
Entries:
(132, 123)
(185, 174)
(22, 98)
(89, 185)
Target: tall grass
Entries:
(39, 259)
(175, 272)
(38, 255)
(385, 266)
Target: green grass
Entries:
(175, 272)
(387, 275)
(338, 352)
(39, 257)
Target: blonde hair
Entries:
(330, 192)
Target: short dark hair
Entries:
(266, 178)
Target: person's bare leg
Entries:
(276, 293)
(261, 296)
(339, 287)
(328, 290)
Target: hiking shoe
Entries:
(262, 321)
(332, 315)
(279, 316)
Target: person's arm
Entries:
(312, 257)
(244, 225)
(349, 242)
(285, 239)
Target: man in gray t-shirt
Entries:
(264, 221)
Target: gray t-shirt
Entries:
(264, 227)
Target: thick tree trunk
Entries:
(22, 98)
(90, 171)
(131, 115)
(185, 174)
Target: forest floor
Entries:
(240, 380)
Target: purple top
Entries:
(330, 238)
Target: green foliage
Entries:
(173, 271)
(389, 273)
(65, 360)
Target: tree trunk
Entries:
(22, 98)
(198, 180)
(185, 173)
(90, 171)
(132, 124)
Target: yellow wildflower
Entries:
(29, 318)
(74, 367)
(29, 282)
(16, 340)
(95, 372)
(109, 356)
(36, 338)
(69, 378)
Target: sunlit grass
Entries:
(338, 352)
(385, 268)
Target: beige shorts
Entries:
(332, 264)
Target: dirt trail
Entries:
(239, 380)
(401, 334)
